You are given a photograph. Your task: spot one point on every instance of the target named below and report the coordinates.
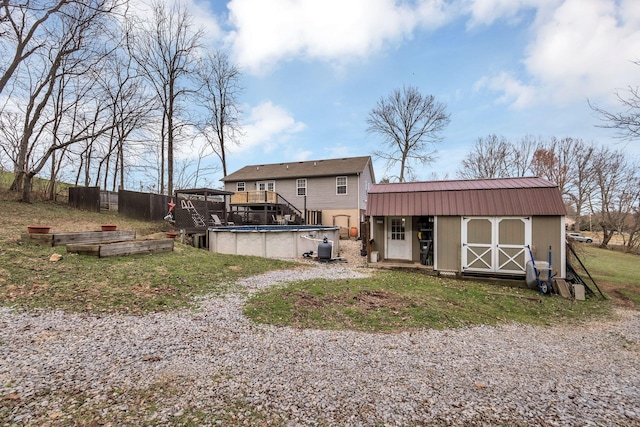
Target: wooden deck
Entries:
(254, 197)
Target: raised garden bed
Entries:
(133, 247)
(83, 237)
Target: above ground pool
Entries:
(272, 241)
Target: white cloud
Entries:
(303, 155)
(579, 49)
(514, 92)
(585, 49)
(486, 12)
(330, 30)
(268, 127)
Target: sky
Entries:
(312, 70)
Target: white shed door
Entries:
(495, 244)
(398, 238)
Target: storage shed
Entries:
(485, 226)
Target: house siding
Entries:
(345, 210)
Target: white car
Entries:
(579, 237)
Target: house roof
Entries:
(311, 168)
(481, 197)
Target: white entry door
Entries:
(398, 238)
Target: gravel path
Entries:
(212, 366)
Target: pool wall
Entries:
(271, 241)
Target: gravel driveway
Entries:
(212, 366)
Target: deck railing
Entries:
(256, 196)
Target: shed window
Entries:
(341, 185)
(240, 186)
(301, 185)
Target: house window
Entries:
(301, 185)
(240, 186)
(341, 185)
(266, 186)
(397, 228)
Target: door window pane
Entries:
(397, 228)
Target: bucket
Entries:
(374, 256)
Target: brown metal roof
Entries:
(329, 167)
(481, 197)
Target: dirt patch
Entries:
(363, 300)
(374, 300)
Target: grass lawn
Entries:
(386, 301)
(616, 273)
(134, 284)
(394, 300)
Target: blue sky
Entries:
(313, 69)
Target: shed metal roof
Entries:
(482, 197)
(328, 167)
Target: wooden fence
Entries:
(144, 206)
(85, 198)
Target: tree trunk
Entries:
(26, 187)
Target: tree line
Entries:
(600, 185)
(596, 182)
(89, 88)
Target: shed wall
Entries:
(549, 231)
(447, 243)
(377, 234)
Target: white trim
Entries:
(563, 249)
(472, 255)
(346, 185)
(298, 187)
(435, 243)
(266, 185)
(406, 244)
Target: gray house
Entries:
(486, 226)
(320, 192)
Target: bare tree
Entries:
(219, 82)
(617, 192)
(165, 49)
(10, 136)
(522, 155)
(626, 122)
(632, 242)
(131, 111)
(409, 123)
(495, 157)
(488, 158)
(555, 161)
(23, 31)
(72, 50)
(581, 179)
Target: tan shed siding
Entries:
(447, 246)
(546, 230)
(378, 236)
